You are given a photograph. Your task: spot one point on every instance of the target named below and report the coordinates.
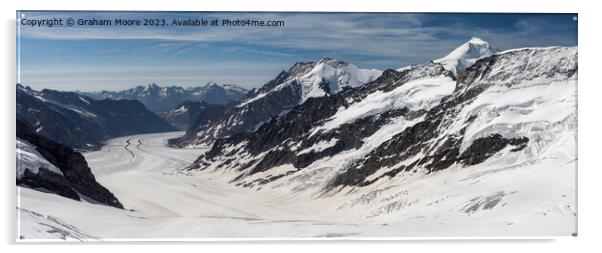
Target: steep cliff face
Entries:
(46, 165)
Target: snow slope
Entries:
(524, 97)
(30, 159)
(439, 164)
(163, 204)
(334, 73)
(423, 93)
(337, 75)
(288, 89)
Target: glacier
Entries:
(481, 142)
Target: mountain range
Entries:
(162, 99)
(475, 106)
(81, 122)
(304, 80)
(478, 131)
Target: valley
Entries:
(480, 142)
(163, 202)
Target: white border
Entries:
(589, 118)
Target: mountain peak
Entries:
(332, 62)
(150, 86)
(466, 54)
(164, 98)
(477, 40)
(22, 87)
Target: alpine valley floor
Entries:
(162, 202)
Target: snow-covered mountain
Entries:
(466, 55)
(304, 80)
(162, 99)
(192, 114)
(326, 126)
(326, 76)
(502, 136)
(82, 122)
(48, 166)
(487, 149)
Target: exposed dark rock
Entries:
(81, 122)
(46, 180)
(483, 148)
(192, 115)
(276, 98)
(421, 138)
(77, 175)
(277, 136)
(431, 143)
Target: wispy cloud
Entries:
(368, 40)
(385, 34)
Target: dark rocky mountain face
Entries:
(280, 140)
(163, 99)
(241, 119)
(398, 124)
(75, 177)
(186, 115)
(81, 122)
(301, 82)
(431, 140)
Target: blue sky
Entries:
(114, 58)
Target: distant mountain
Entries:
(162, 99)
(81, 122)
(49, 166)
(188, 113)
(290, 88)
(466, 55)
